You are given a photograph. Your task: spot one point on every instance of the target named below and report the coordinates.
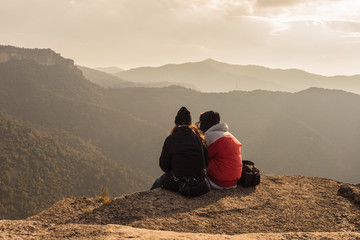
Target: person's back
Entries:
(183, 156)
(224, 151)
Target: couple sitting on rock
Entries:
(186, 153)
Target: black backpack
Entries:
(250, 175)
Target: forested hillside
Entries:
(311, 133)
(61, 98)
(38, 169)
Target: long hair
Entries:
(196, 131)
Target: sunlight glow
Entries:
(351, 35)
(132, 33)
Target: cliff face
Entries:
(41, 56)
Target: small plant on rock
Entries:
(105, 197)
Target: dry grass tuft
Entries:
(105, 197)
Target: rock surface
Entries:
(281, 207)
(21, 229)
(351, 192)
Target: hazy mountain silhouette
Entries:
(212, 76)
(104, 79)
(110, 70)
(110, 80)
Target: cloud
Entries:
(278, 3)
(345, 25)
(292, 3)
(352, 35)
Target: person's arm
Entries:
(206, 156)
(165, 161)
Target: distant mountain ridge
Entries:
(213, 76)
(109, 80)
(110, 70)
(104, 79)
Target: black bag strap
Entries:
(248, 162)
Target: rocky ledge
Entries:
(281, 207)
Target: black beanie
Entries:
(209, 119)
(183, 117)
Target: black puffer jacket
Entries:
(181, 156)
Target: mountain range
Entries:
(213, 76)
(110, 70)
(104, 79)
(311, 132)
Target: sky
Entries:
(318, 36)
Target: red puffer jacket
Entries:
(224, 156)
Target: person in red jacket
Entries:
(225, 165)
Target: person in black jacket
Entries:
(184, 153)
